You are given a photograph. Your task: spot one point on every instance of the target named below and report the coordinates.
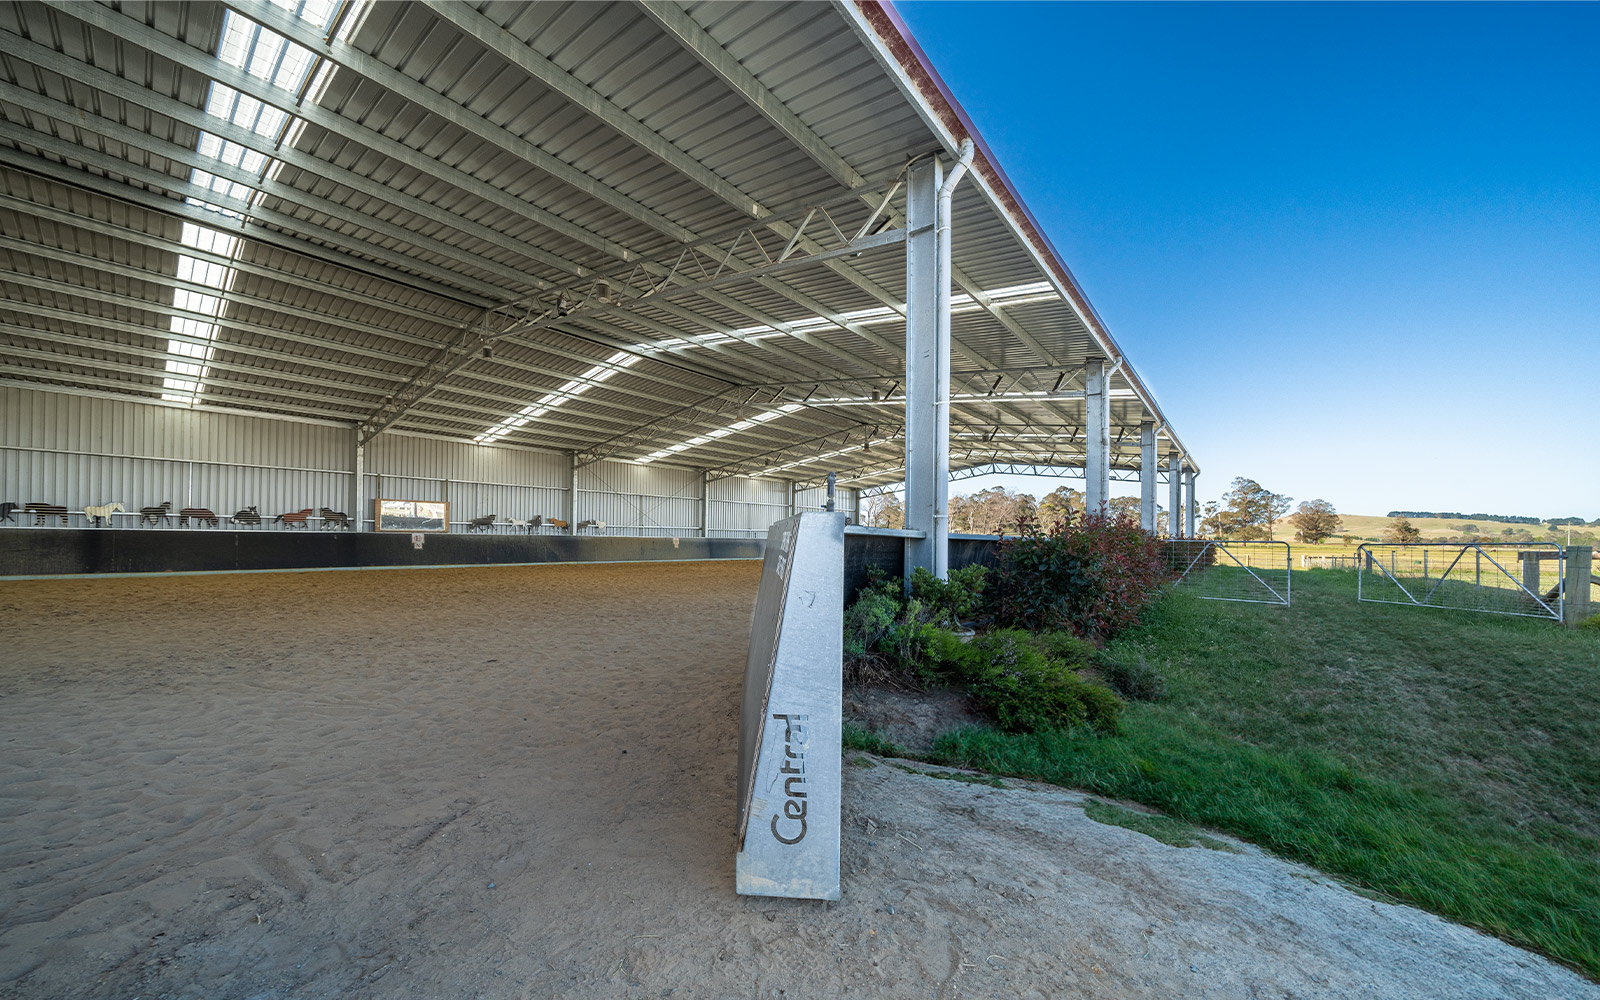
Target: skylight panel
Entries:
(268, 56)
(572, 388)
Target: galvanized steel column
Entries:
(1147, 476)
(570, 514)
(1188, 505)
(924, 475)
(358, 462)
(1097, 437)
(1175, 504)
(705, 504)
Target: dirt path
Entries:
(518, 783)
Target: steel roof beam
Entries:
(392, 267)
(163, 244)
(691, 36)
(688, 34)
(29, 379)
(74, 118)
(210, 67)
(370, 68)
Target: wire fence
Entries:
(1213, 570)
(1527, 579)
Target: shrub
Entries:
(1132, 676)
(1091, 573)
(953, 601)
(1066, 647)
(1590, 624)
(868, 622)
(893, 639)
(1024, 691)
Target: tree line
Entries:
(1554, 522)
(999, 511)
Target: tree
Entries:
(1059, 504)
(1314, 521)
(993, 511)
(1402, 531)
(883, 511)
(1250, 510)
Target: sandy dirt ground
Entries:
(518, 782)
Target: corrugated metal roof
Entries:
(303, 208)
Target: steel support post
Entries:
(569, 511)
(924, 477)
(705, 504)
(1097, 437)
(1188, 504)
(358, 462)
(1147, 476)
(1175, 496)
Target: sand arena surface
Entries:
(519, 782)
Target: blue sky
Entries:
(1353, 248)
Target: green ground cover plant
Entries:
(1445, 759)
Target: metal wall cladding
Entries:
(77, 451)
(435, 458)
(746, 508)
(510, 483)
(652, 500)
(816, 497)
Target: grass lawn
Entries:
(1447, 759)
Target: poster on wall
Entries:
(411, 515)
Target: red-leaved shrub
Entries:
(1091, 573)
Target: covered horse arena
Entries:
(394, 402)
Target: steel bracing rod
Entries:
(245, 84)
(518, 53)
(1008, 469)
(690, 421)
(342, 54)
(342, 126)
(858, 438)
(689, 34)
(653, 294)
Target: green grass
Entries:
(1442, 758)
(1170, 831)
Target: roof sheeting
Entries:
(503, 221)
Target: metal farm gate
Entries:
(1215, 570)
(1527, 579)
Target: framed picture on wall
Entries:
(411, 515)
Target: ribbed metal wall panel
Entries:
(510, 483)
(745, 508)
(814, 498)
(640, 499)
(75, 450)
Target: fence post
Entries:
(1580, 562)
(1530, 570)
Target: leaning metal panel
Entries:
(1216, 570)
(1527, 579)
(791, 724)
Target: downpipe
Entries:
(941, 504)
